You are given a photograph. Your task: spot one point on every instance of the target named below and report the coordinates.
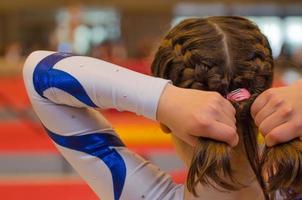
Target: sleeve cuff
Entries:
(150, 97)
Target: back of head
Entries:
(218, 54)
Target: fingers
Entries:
(221, 122)
(260, 102)
(268, 109)
(223, 111)
(219, 131)
(283, 133)
(278, 118)
(224, 133)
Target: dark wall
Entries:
(139, 28)
(30, 26)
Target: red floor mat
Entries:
(46, 191)
(56, 190)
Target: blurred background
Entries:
(125, 32)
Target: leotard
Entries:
(66, 90)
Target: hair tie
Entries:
(239, 94)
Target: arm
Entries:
(64, 89)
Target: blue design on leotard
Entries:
(97, 144)
(45, 76)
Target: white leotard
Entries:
(65, 91)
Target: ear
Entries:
(164, 128)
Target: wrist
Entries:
(165, 103)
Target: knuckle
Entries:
(287, 111)
(195, 123)
(276, 101)
(204, 122)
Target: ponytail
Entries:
(281, 166)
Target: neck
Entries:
(242, 173)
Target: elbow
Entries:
(29, 66)
(32, 61)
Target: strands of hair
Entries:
(283, 165)
(222, 54)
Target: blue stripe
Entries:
(46, 77)
(98, 145)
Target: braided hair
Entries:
(222, 54)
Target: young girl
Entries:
(231, 56)
(221, 54)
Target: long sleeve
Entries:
(65, 90)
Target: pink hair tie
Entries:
(239, 94)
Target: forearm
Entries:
(92, 83)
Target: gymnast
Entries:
(210, 89)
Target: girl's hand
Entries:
(278, 113)
(190, 114)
